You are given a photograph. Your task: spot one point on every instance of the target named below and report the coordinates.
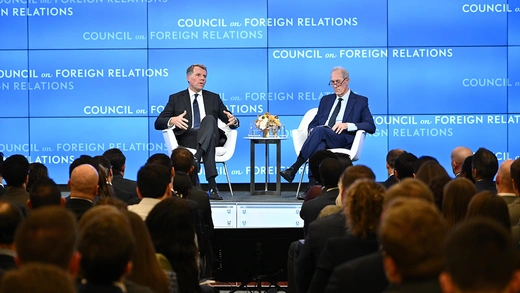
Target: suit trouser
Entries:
(322, 138)
(205, 138)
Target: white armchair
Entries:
(300, 135)
(222, 154)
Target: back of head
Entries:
(437, 187)
(160, 159)
(409, 188)
(404, 165)
(421, 161)
(480, 257)
(504, 182)
(392, 156)
(457, 195)
(37, 278)
(330, 171)
(182, 159)
(83, 160)
(353, 173)
(10, 219)
(459, 154)
(364, 203)
(44, 192)
(103, 161)
(345, 160)
(182, 185)
(315, 161)
(487, 204)
(84, 180)
(485, 163)
(15, 170)
(430, 170)
(515, 174)
(117, 159)
(411, 233)
(112, 201)
(36, 171)
(48, 235)
(106, 245)
(467, 169)
(153, 180)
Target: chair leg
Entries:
(227, 176)
(301, 179)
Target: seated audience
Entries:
(14, 170)
(430, 170)
(124, 189)
(487, 204)
(315, 160)
(504, 182)
(404, 166)
(391, 157)
(45, 192)
(105, 176)
(10, 219)
(467, 169)
(37, 278)
(182, 185)
(458, 155)
(514, 207)
(485, 167)
(457, 195)
(36, 171)
(83, 185)
(420, 162)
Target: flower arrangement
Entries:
(269, 124)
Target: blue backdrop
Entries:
(80, 77)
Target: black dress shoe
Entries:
(288, 174)
(214, 194)
(196, 164)
(301, 196)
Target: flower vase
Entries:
(266, 132)
(274, 131)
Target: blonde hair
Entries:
(363, 207)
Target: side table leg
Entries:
(252, 170)
(278, 167)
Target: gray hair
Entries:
(344, 72)
(189, 71)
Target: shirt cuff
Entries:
(351, 127)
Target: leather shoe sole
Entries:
(288, 174)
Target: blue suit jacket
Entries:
(356, 112)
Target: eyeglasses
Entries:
(337, 82)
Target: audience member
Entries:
(504, 182)
(457, 195)
(83, 185)
(420, 161)
(430, 170)
(36, 171)
(329, 210)
(458, 155)
(467, 169)
(411, 233)
(487, 204)
(485, 166)
(391, 157)
(112, 201)
(105, 177)
(10, 219)
(124, 189)
(2, 187)
(315, 160)
(437, 187)
(182, 185)
(480, 257)
(45, 192)
(404, 166)
(14, 170)
(514, 207)
(37, 278)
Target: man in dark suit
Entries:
(83, 186)
(15, 171)
(193, 114)
(124, 189)
(391, 157)
(485, 167)
(339, 116)
(10, 219)
(458, 155)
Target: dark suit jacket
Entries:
(356, 112)
(312, 208)
(17, 195)
(424, 286)
(2, 190)
(201, 197)
(364, 274)
(198, 223)
(7, 262)
(124, 189)
(180, 102)
(78, 206)
(390, 181)
(486, 185)
(317, 235)
(337, 251)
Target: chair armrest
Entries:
(299, 138)
(170, 140)
(357, 145)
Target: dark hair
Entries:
(182, 184)
(45, 192)
(467, 170)
(15, 170)
(171, 228)
(83, 159)
(486, 163)
(487, 204)
(181, 159)
(160, 159)
(344, 159)
(153, 180)
(429, 170)
(191, 68)
(330, 172)
(404, 165)
(106, 245)
(36, 171)
(315, 161)
(480, 256)
(104, 167)
(392, 155)
(515, 173)
(112, 201)
(10, 219)
(457, 195)
(420, 161)
(437, 187)
(354, 173)
(117, 159)
(47, 235)
(104, 161)
(146, 270)
(37, 277)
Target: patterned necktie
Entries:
(196, 113)
(335, 113)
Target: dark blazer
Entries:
(78, 206)
(2, 190)
(390, 181)
(356, 112)
(424, 286)
(337, 251)
(7, 262)
(486, 185)
(364, 274)
(201, 197)
(17, 195)
(91, 288)
(198, 223)
(312, 208)
(124, 189)
(317, 235)
(180, 102)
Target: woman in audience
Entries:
(487, 204)
(457, 195)
(437, 187)
(36, 171)
(146, 270)
(173, 236)
(467, 170)
(104, 189)
(182, 185)
(363, 206)
(430, 170)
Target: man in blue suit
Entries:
(339, 116)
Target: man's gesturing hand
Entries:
(232, 120)
(180, 121)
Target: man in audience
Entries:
(411, 234)
(10, 219)
(124, 189)
(154, 183)
(83, 185)
(514, 207)
(458, 155)
(43, 193)
(504, 183)
(404, 166)
(480, 257)
(37, 277)
(391, 157)
(420, 161)
(48, 235)
(485, 166)
(2, 187)
(15, 171)
(316, 188)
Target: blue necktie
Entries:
(196, 113)
(335, 113)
